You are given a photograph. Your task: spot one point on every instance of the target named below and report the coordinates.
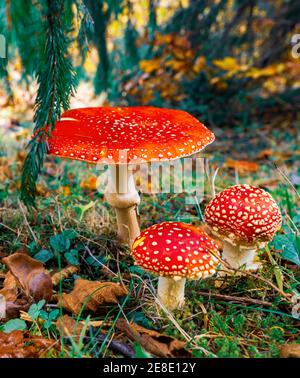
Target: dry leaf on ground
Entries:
(154, 342)
(64, 273)
(68, 326)
(18, 344)
(14, 300)
(10, 287)
(89, 183)
(91, 295)
(30, 275)
(242, 165)
(290, 351)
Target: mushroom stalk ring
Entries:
(122, 195)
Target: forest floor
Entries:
(74, 230)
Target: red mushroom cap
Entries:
(244, 214)
(147, 133)
(175, 249)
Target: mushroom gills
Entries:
(170, 292)
(238, 257)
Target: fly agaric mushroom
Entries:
(124, 135)
(175, 252)
(245, 218)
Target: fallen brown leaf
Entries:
(30, 275)
(154, 342)
(242, 165)
(5, 169)
(64, 273)
(69, 326)
(18, 344)
(290, 351)
(89, 183)
(10, 287)
(14, 300)
(92, 294)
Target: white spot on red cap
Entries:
(254, 218)
(143, 132)
(168, 252)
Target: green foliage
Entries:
(35, 309)
(130, 48)
(226, 329)
(288, 245)
(152, 22)
(14, 325)
(57, 82)
(140, 352)
(43, 255)
(141, 319)
(61, 244)
(101, 12)
(72, 257)
(86, 28)
(227, 348)
(4, 60)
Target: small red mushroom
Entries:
(120, 136)
(175, 252)
(245, 218)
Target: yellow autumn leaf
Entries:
(22, 134)
(181, 41)
(219, 83)
(90, 183)
(228, 64)
(243, 165)
(90, 63)
(256, 73)
(163, 39)
(199, 64)
(275, 84)
(65, 190)
(176, 65)
(149, 66)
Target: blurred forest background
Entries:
(227, 61)
(230, 63)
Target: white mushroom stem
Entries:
(122, 195)
(170, 292)
(238, 257)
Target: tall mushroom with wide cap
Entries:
(120, 136)
(175, 252)
(245, 218)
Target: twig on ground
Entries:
(99, 262)
(231, 298)
(249, 274)
(116, 346)
(287, 179)
(27, 223)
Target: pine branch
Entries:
(86, 27)
(57, 83)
